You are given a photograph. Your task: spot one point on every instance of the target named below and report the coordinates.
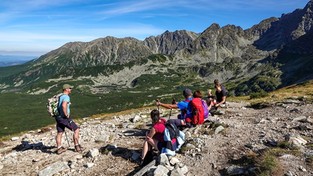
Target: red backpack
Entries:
(197, 111)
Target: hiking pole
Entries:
(173, 102)
(158, 105)
(67, 138)
(169, 117)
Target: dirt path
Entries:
(246, 131)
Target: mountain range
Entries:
(269, 55)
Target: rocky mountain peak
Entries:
(259, 29)
(309, 6)
(170, 42)
(289, 27)
(212, 28)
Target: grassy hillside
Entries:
(302, 91)
(23, 112)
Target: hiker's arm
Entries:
(151, 133)
(64, 108)
(209, 105)
(168, 106)
(149, 138)
(223, 101)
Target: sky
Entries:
(35, 27)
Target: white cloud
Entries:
(137, 6)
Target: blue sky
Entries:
(35, 27)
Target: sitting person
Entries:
(154, 138)
(220, 94)
(210, 92)
(197, 109)
(182, 105)
(211, 102)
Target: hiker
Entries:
(182, 105)
(220, 94)
(154, 138)
(64, 120)
(211, 102)
(197, 110)
(210, 92)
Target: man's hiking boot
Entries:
(61, 150)
(79, 148)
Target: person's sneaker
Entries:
(61, 150)
(79, 148)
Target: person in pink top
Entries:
(154, 138)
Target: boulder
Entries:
(53, 169)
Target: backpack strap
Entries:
(59, 111)
(187, 100)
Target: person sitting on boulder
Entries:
(211, 102)
(154, 138)
(210, 99)
(197, 109)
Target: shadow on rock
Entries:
(127, 154)
(135, 132)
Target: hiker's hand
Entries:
(157, 101)
(149, 139)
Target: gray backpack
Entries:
(52, 105)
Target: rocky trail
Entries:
(234, 143)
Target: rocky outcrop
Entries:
(289, 27)
(169, 43)
(103, 51)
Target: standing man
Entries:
(64, 120)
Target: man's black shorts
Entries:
(65, 122)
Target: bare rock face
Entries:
(289, 27)
(103, 51)
(170, 42)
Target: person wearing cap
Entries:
(182, 105)
(64, 120)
